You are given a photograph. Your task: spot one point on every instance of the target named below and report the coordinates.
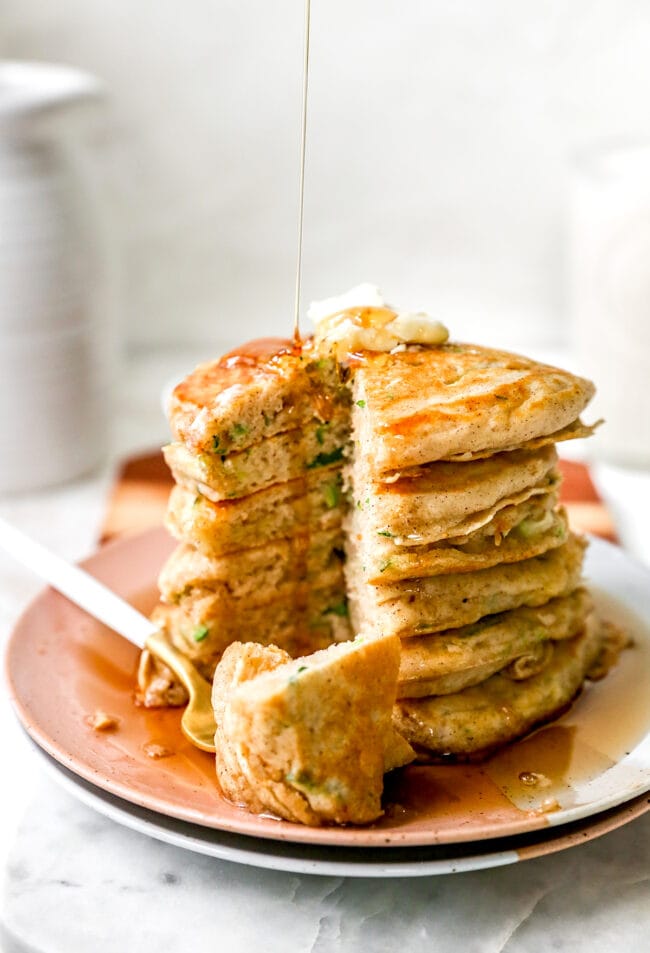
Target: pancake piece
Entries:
(285, 456)
(157, 686)
(278, 512)
(449, 661)
(263, 388)
(417, 606)
(471, 724)
(307, 739)
(427, 404)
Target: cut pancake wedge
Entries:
(277, 512)
(257, 575)
(282, 457)
(309, 740)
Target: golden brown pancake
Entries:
(515, 533)
(471, 724)
(262, 574)
(203, 625)
(285, 456)
(449, 661)
(417, 606)
(450, 499)
(427, 404)
(280, 511)
(263, 388)
(574, 431)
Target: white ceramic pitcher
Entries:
(53, 360)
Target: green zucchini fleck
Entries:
(238, 430)
(294, 678)
(324, 459)
(332, 494)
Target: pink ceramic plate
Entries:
(63, 666)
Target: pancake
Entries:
(577, 430)
(470, 724)
(258, 575)
(278, 512)
(263, 388)
(157, 686)
(515, 533)
(202, 627)
(426, 404)
(307, 739)
(451, 499)
(417, 606)
(534, 661)
(282, 457)
(457, 658)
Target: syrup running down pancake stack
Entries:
(456, 542)
(257, 508)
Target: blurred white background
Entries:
(438, 147)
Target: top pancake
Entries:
(427, 404)
(265, 387)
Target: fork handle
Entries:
(77, 585)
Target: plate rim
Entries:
(515, 850)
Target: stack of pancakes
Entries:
(257, 508)
(433, 472)
(456, 542)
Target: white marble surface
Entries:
(77, 882)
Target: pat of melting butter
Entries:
(360, 320)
